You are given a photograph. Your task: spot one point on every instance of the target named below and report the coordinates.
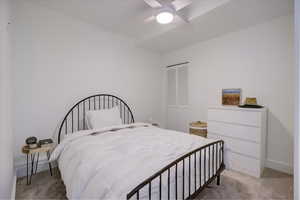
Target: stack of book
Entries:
(46, 143)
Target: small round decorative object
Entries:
(31, 142)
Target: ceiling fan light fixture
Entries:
(165, 17)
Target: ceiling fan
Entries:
(165, 10)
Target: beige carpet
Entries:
(273, 185)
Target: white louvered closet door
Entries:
(177, 98)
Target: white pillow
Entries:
(97, 119)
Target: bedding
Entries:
(108, 163)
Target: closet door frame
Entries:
(177, 105)
(177, 113)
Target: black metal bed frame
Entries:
(215, 165)
(212, 166)
(77, 114)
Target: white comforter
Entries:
(110, 164)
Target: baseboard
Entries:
(279, 166)
(14, 185)
(21, 166)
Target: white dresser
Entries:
(244, 133)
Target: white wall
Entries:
(59, 60)
(6, 134)
(297, 102)
(260, 61)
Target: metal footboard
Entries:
(198, 169)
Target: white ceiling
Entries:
(208, 18)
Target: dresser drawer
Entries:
(243, 164)
(250, 118)
(239, 146)
(236, 131)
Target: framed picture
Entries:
(231, 97)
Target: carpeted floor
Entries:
(273, 185)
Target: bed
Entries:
(132, 160)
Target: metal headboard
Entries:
(75, 118)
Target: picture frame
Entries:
(231, 96)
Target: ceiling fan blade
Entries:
(180, 4)
(183, 17)
(149, 19)
(165, 2)
(153, 3)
